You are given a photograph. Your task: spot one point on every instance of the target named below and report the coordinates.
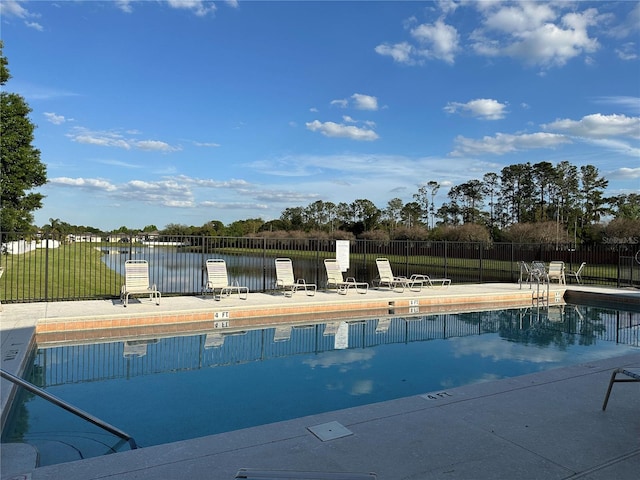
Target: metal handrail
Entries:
(70, 408)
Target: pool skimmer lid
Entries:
(330, 431)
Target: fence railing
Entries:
(54, 268)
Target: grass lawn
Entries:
(72, 271)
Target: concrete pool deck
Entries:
(543, 425)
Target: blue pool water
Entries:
(168, 389)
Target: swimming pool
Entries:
(162, 390)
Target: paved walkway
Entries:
(547, 425)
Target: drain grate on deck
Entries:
(330, 431)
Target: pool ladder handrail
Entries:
(68, 407)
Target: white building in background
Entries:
(23, 246)
(86, 237)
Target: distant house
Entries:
(123, 238)
(86, 237)
(149, 236)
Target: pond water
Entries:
(175, 270)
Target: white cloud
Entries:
(199, 7)
(118, 163)
(102, 139)
(518, 18)
(286, 197)
(400, 52)
(360, 102)
(627, 51)
(625, 173)
(331, 129)
(55, 119)
(13, 8)
(365, 102)
(503, 143)
(439, 40)
(615, 145)
(628, 26)
(124, 5)
(155, 145)
(85, 183)
(484, 108)
(631, 104)
(598, 126)
(167, 193)
(209, 183)
(34, 25)
(115, 139)
(535, 33)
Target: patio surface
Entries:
(546, 425)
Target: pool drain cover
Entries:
(330, 431)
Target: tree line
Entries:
(539, 203)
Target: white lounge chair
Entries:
(576, 274)
(415, 282)
(386, 278)
(335, 279)
(218, 280)
(136, 282)
(556, 272)
(286, 280)
(430, 282)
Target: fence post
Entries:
(264, 264)
(619, 275)
(406, 258)
(480, 265)
(445, 259)
(317, 265)
(203, 263)
(46, 268)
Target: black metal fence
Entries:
(55, 268)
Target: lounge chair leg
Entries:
(634, 377)
(606, 398)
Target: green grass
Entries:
(73, 271)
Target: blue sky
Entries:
(158, 112)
